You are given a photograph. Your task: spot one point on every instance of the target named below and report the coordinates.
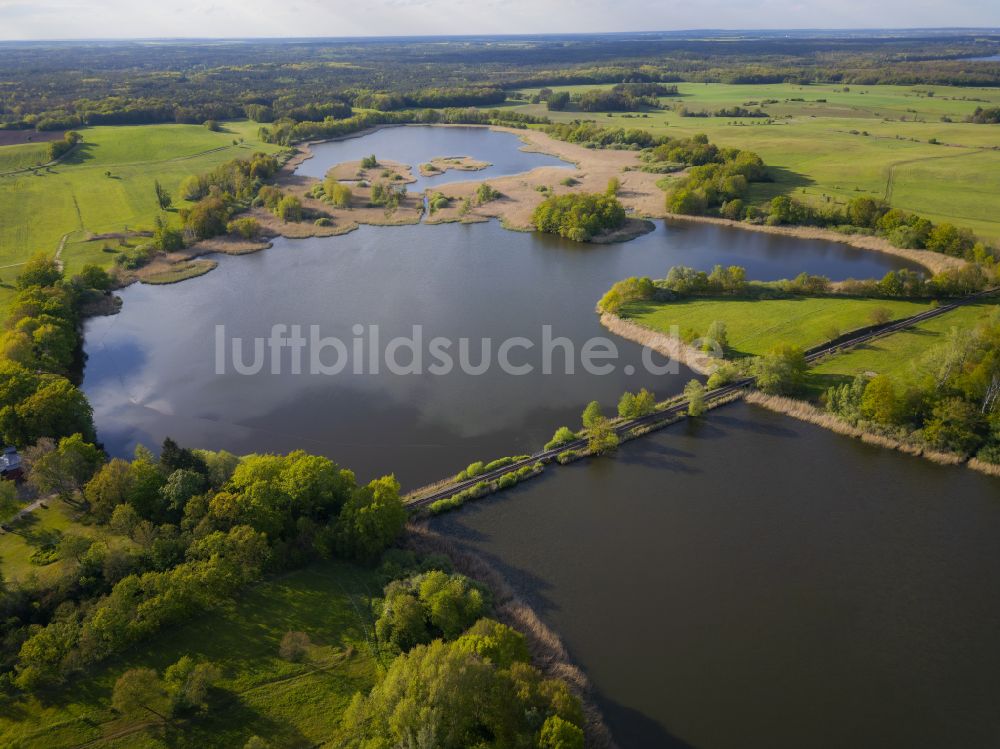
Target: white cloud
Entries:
(48, 19)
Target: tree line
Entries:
(201, 526)
(950, 404)
(62, 86)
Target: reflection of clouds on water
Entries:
(415, 145)
(151, 371)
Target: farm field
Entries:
(873, 140)
(286, 703)
(754, 326)
(105, 185)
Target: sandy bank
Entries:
(442, 164)
(661, 343)
(392, 172)
(520, 192)
(990, 469)
(226, 245)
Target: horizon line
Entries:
(486, 35)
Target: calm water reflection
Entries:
(755, 582)
(151, 370)
(747, 582)
(415, 145)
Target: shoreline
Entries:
(548, 653)
(810, 414)
(592, 168)
(932, 261)
(674, 348)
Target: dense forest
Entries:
(60, 85)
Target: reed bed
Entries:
(803, 411)
(990, 469)
(661, 343)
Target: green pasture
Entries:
(105, 185)
(903, 355)
(754, 326)
(868, 140)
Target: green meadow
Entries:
(754, 326)
(901, 355)
(22, 156)
(288, 704)
(868, 140)
(105, 185)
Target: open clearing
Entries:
(818, 149)
(38, 532)
(288, 704)
(754, 325)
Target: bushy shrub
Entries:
(562, 436)
(579, 216)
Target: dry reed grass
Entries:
(661, 343)
(990, 469)
(803, 411)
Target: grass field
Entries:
(288, 704)
(818, 149)
(22, 156)
(899, 355)
(38, 531)
(754, 326)
(78, 197)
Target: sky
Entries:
(90, 19)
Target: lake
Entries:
(748, 581)
(151, 370)
(418, 144)
(753, 581)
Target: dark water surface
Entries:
(152, 369)
(753, 581)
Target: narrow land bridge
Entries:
(679, 407)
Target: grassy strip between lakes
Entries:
(754, 326)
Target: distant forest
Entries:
(60, 85)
